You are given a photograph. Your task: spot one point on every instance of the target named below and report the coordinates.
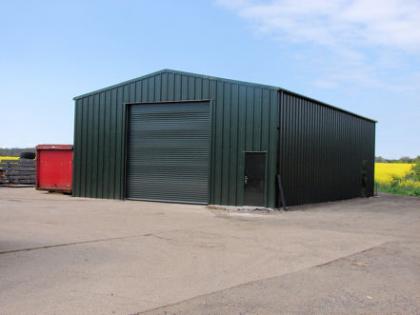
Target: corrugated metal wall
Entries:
(244, 118)
(318, 150)
(321, 151)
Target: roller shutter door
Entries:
(168, 152)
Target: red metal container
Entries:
(54, 167)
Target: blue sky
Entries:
(361, 55)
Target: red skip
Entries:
(54, 167)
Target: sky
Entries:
(361, 55)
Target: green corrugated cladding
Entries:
(244, 118)
(321, 151)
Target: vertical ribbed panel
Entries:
(319, 154)
(244, 118)
(321, 151)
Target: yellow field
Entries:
(8, 158)
(385, 172)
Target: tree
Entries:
(406, 159)
(380, 159)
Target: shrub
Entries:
(398, 178)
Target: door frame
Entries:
(126, 109)
(265, 152)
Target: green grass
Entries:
(396, 188)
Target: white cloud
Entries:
(368, 22)
(362, 36)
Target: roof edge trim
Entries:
(279, 89)
(327, 105)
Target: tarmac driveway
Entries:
(64, 255)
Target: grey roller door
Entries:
(168, 152)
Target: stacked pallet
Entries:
(18, 172)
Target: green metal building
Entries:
(182, 137)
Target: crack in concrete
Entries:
(11, 251)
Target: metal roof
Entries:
(203, 76)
